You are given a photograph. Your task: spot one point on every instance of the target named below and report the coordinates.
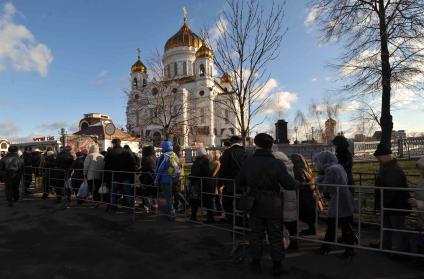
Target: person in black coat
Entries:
(123, 165)
(27, 157)
(49, 164)
(77, 170)
(344, 157)
(391, 175)
(231, 161)
(11, 168)
(198, 181)
(262, 176)
(62, 172)
(147, 178)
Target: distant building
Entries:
(396, 135)
(4, 145)
(97, 128)
(330, 130)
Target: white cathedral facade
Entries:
(184, 102)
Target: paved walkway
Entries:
(42, 239)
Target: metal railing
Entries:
(126, 186)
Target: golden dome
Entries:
(138, 66)
(204, 52)
(184, 37)
(226, 78)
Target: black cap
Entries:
(116, 141)
(382, 149)
(227, 143)
(340, 141)
(263, 140)
(12, 149)
(235, 139)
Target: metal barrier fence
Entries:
(125, 190)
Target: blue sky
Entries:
(74, 57)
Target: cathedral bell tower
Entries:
(203, 65)
(138, 74)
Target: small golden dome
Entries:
(138, 67)
(204, 52)
(226, 78)
(184, 37)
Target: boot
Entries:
(255, 266)
(278, 269)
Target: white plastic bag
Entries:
(103, 189)
(286, 238)
(83, 190)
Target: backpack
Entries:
(173, 164)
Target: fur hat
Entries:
(201, 151)
(235, 139)
(50, 153)
(264, 140)
(382, 149)
(12, 149)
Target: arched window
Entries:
(84, 125)
(135, 83)
(184, 68)
(202, 70)
(175, 69)
(168, 72)
(174, 90)
(3, 145)
(210, 70)
(155, 91)
(144, 82)
(201, 93)
(136, 97)
(192, 69)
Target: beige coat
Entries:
(94, 164)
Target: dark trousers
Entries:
(344, 223)
(47, 181)
(11, 182)
(93, 188)
(273, 227)
(395, 240)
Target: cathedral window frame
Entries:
(175, 69)
(202, 70)
(184, 68)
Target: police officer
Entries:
(11, 168)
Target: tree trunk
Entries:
(386, 118)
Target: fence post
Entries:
(381, 218)
(400, 148)
(359, 214)
(337, 213)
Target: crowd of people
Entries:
(276, 191)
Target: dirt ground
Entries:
(43, 239)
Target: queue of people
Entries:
(276, 191)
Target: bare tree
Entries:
(383, 46)
(250, 38)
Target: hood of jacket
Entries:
(287, 162)
(324, 159)
(166, 146)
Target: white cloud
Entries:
(279, 102)
(218, 29)
(52, 126)
(8, 129)
(314, 79)
(18, 48)
(101, 78)
(312, 16)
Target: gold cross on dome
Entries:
(138, 52)
(185, 13)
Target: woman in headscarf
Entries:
(307, 205)
(331, 173)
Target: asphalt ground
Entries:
(44, 239)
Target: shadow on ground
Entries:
(42, 239)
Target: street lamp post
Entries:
(295, 130)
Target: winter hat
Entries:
(420, 163)
(13, 149)
(68, 148)
(167, 146)
(263, 140)
(37, 150)
(50, 153)
(324, 159)
(382, 149)
(340, 141)
(235, 139)
(84, 151)
(201, 151)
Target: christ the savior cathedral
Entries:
(183, 100)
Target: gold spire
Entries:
(138, 66)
